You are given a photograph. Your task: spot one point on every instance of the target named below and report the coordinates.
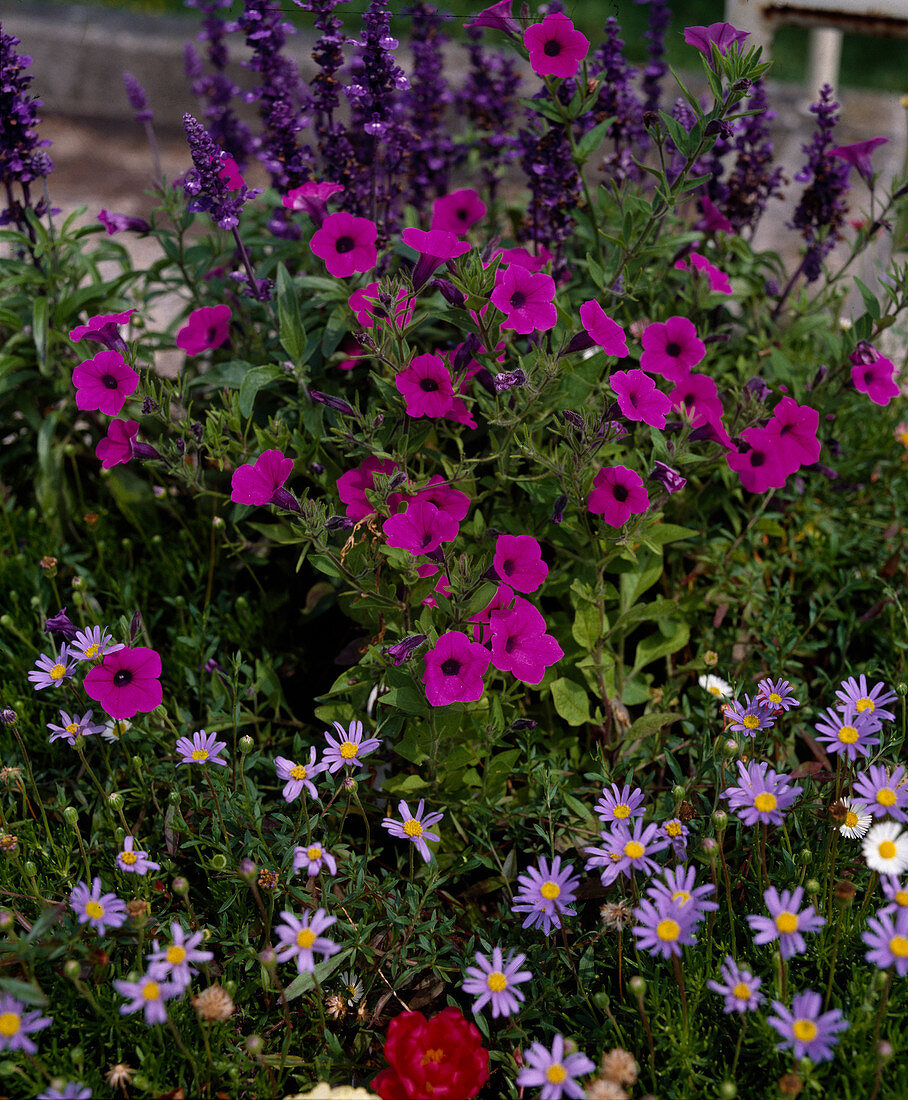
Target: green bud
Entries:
(175, 798)
(678, 792)
(602, 1000)
(101, 543)
(246, 744)
(728, 1090)
(805, 856)
(180, 601)
(805, 1067)
(255, 1045)
(6, 621)
(156, 540)
(180, 886)
(159, 713)
(126, 543)
(141, 1082)
(78, 581)
(730, 747)
(720, 819)
(77, 1054)
(30, 869)
(880, 977)
(7, 1069)
(35, 601)
(884, 1050)
(901, 687)
(812, 887)
(72, 969)
(230, 986)
(637, 985)
(71, 815)
(115, 800)
(7, 920)
(268, 958)
(218, 862)
(119, 835)
(241, 603)
(710, 848)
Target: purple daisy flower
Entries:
(887, 938)
(855, 693)
(349, 749)
(72, 1090)
(739, 987)
(625, 852)
(805, 1028)
(665, 927)
(882, 794)
(846, 731)
(302, 938)
(94, 643)
(298, 776)
(51, 671)
(16, 1025)
(147, 995)
(494, 980)
(678, 886)
(313, 858)
(545, 894)
(73, 726)
(785, 923)
(749, 719)
(553, 1072)
(762, 795)
(174, 962)
(101, 911)
(414, 827)
(619, 805)
(134, 862)
(676, 832)
(897, 895)
(204, 748)
(776, 694)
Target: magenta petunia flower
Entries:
(101, 911)
(638, 397)
(435, 247)
(104, 383)
(876, 379)
(498, 17)
(554, 1071)
(718, 280)
(794, 426)
(722, 35)
(51, 671)
(518, 562)
(663, 927)
(502, 600)
(526, 298)
(366, 306)
(420, 529)
(203, 748)
(352, 486)
(119, 223)
(174, 962)
(855, 693)
(845, 731)
(762, 795)
(117, 446)
(346, 244)
(454, 669)
(671, 348)
(349, 749)
(313, 198)
(93, 643)
(617, 494)
(520, 644)
(555, 47)
(531, 261)
(206, 329)
(698, 397)
(759, 467)
(545, 894)
(103, 329)
(300, 939)
(414, 827)
(739, 988)
(313, 858)
(16, 1025)
(72, 727)
(450, 501)
(297, 776)
(882, 794)
(786, 921)
(126, 682)
(263, 482)
(620, 804)
(602, 330)
(493, 981)
(426, 386)
(458, 211)
(858, 155)
(887, 938)
(805, 1029)
(135, 862)
(148, 997)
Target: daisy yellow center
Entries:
(886, 796)
(775, 697)
(550, 890)
(91, 651)
(9, 1024)
(864, 703)
(58, 672)
(851, 819)
(95, 910)
(634, 849)
(129, 858)
(901, 897)
(151, 991)
(805, 1030)
(787, 922)
(668, 930)
(673, 828)
(297, 772)
(72, 728)
(314, 853)
(751, 721)
(681, 895)
(903, 438)
(848, 735)
(741, 991)
(886, 849)
(118, 728)
(765, 802)
(348, 750)
(496, 981)
(413, 827)
(622, 810)
(713, 690)
(556, 1073)
(305, 938)
(176, 954)
(898, 945)
(199, 754)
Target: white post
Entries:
(825, 55)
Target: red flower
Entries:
(438, 1059)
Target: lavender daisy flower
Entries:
(887, 938)
(73, 726)
(664, 927)
(101, 911)
(204, 748)
(739, 987)
(312, 858)
(776, 694)
(494, 980)
(72, 1090)
(897, 895)
(148, 996)
(414, 827)
(94, 643)
(883, 795)
(16, 1025)
(634, 851)
(847, 731)
(678, 886)
(762, 795)
(298, 776)
(749, 719)
(347, 751)
(618, 805)
(805, 1029)
(134, 862)
(554, 1073)
(174, 962)
(53, 670)
(677, 833)
(785, 923)
(545, 894)
(885, 849)
(855, 693)
(301, 939)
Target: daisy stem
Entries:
(253, 815)
(835, 953)
(217, 806)
(734, 1064)
(876, 1032)
(78, 833)
(365, 822)
(649, 1036)
(410, 876)
(763, 854)
(299, 820)
(757, 862)
(37, 793)
(181, 1046)
(731, 912)
(830, 881)
(340, 828)
(105, 797)
(679, 978)
(871, 886)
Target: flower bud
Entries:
(254, 1045)
(180, 886)
(268, 958)
(730, 747)
(710, 848)
(884, 1050)
(77, 1056)
(720, 819)
(246, 744)
(30, 869)
(248, 869)
(8, 716)
(637, 985)
(6, 920)
(844, 892)
(880, 978)
(115, 800)
(901, 687)
(805, 856)
(812, 887)
(218, 862)
(678, 792)
(71, 815)
(728, 1090)
(175, 798)
(72, 969)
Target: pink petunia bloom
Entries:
(876, 379)
(759, 467)
(435, 247)
(522, 258)
(617, 494)
(365, 305)
(795, 428)
(117, 446)
(313, 198)
(263, 483)
(104, 383)
(119, 223)
(103, 329)
(454, 670)
(206, 329)
(608, 334)
(555, 47)
(722, 34)
(698, 397)
(712, 220)
(457, 212)
(671, 348)
(525, 298)
(518, 562)
(426, 386)
(520, 644)
(126, 682)
(718, 280)
(498, 17)
(503, 600)
(346, 244)
(638, 397)
(858, 155)
(231, 175)
(421, 529)
(352, 486)
(452, 501)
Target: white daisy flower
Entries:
(715, 685)
(115, 729)
(885, 848)
(856, 822)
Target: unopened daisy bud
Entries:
(72, 969)
(602, 1000)
(349, 783)
(255, 1044)
(812, 887)
(175, 798)
(844, 892)
(678, 792)
(248, 869)
(730, 747)
(720, 819)
(805, 856)
(710, 848)
(901, 687)
(70, 815)
(710, 658)
(180, 886)
(884, 1050)
(728, 1090)
(268, 958)
(77, 1056)
(8, 716)
(115, 800)
(30, 869)
(231, 987)
(246, 744)
(880, 979)
(218, 862)
(6, 920)
(637, 985)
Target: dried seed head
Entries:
(136, 907)
(838, 811)
(616, 915)
(619, 1065)
(267, 879)
(119, 1075)
(335, 1007)
(790, 1084)
(844, 892)
(213, 1003)
(605, 1089)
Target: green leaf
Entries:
(634, 584)
(663, 533)
(591, 140)
(23, 991)
(254, 380)
(571, 702)
(291, 333)
(498, 769)
(651, 723)
(302, 983)
(870, 301)
(40, 312)
(587, 628)
(661, 644)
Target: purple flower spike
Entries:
(807, 1030)
(545, 894)
(414, 827)
(785, 923)
(739, 988)
(493, 980)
